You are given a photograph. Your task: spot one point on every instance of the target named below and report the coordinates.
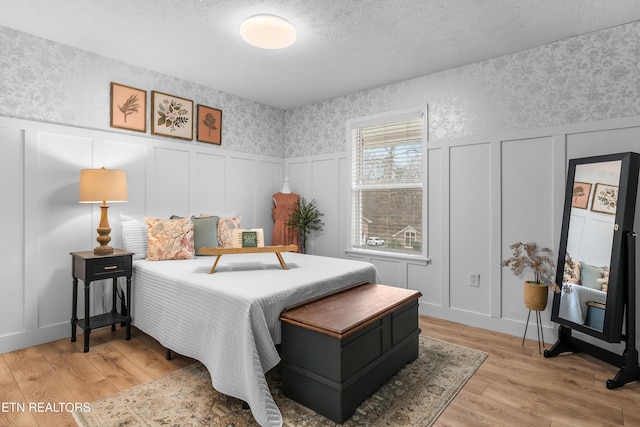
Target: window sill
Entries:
(412, 259)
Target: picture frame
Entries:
(128, 108)
(249, 239)
(171, 116)
(209, 126)
(580, 195)
(605, 199)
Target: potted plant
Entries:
(528, 255)
(306, 219)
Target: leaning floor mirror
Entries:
(592, 278)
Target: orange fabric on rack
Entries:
(282, 233)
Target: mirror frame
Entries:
(624, 218)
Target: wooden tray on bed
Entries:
(274, 249)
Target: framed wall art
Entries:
(605, 199)
(209, 127)
(171, 116)
(128, 108)
(581, 193)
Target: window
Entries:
(387, 183)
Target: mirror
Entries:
(599, 207)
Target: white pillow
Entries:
(135, 236)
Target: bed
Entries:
(229, 320)
(574, 299)
(583, 284)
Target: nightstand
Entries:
(89, 267)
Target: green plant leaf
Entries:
(306, 219)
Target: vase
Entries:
(536, 295)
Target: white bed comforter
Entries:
(229, 320)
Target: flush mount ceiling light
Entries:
(268, 32)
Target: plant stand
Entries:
(538, 330)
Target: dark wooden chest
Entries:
(338, 350)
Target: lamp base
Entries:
(103, 250)
(103, 233)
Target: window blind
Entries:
(387, 186)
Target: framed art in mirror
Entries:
(580, 196)
(605, 199)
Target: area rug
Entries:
(415, 396)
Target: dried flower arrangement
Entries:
(528, 255)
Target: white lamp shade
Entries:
(103, 185)
(268, 32)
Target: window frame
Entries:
(380, 119)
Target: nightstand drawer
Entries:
(108, 267)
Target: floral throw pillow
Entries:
(170, 239)
(226, 225)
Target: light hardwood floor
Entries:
(515, 386)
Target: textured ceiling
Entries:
(343, 46)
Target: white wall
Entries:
(41, 166)
(484, 193)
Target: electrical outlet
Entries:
(474, 280)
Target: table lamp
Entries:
(102, 186)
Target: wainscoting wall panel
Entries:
(420, 276)
(425, 277)
(326, 179)
(132, 158)
(470, 226)
(269, 182)
(344, 198)
(243, 174)
(42, 163)
(170, 182)
(528, 206)
(61, 223)
(298, 171)
(319, 178)
(12, 215)
(391, 271)
(209, 196)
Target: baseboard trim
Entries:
(24, 339)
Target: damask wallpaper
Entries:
(590, 77)
(45, 81)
